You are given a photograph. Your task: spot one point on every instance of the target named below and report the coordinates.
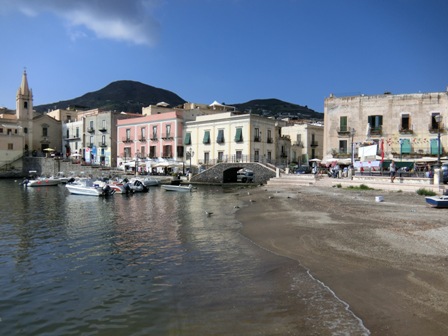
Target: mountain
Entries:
(131, 96)
(278, 108)
(124, 95)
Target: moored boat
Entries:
(170, 187)
(437, 201)
(88, 187)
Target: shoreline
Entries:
(386, 260)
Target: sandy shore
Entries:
(388, 260)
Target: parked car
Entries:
(303, 170)
(445, 173)
(245, 176)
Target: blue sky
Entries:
(231, 51)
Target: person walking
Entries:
(392, 171)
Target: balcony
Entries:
(127, 140)
(314, 143)
(90, 145)
(154, 138)
(434, 129)
(103, 129)
(167, 136)
(406, 130)
(376, 130)
(142, 139)
(102, 144)
(270, 140)
(257, 139)
(344, 130)
(298, 144)
(90, 130)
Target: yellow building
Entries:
(229, 137)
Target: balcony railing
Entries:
(405, 130)
(102, 144)
(376, 130)
(434, 129)
(270, 140)
(343, 130)
(257, 138)
(154, 138)
(103, 129)
(167, 136)
(314, 143)
(142, 139)
(128, 139)
(91, 130)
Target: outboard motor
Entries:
(107, 190)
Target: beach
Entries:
(386, 260)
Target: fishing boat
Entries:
(171, 187)
(88, 187)
(437, 201)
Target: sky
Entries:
(231, 51)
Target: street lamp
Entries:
(401, 149)
(190, 154)
(438, 119)
(352, 134)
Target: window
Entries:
(239, 135)
(25, 130)
(220, 156)
(220, 138)
(376, 124)
(435, 147)
(405, 146)
(103, 140)
(91, 124)
(343, 124)
(25, 104)
(91, 140)
(142, 151)
(154, 132)
(434, 123)
(10, 146)
(206, 157)
(142, 133)
(128, 134)
(206, 139)
(127, 153)
(187, 139)
(269, 139)
(238, 155)
(343, 147)
(67, 134)
(103, 124)
(69, 118)
(168, 131)
(44, 131)
(257, 155)
(257, 135)
(77, 132)
(405, 122)
(152, 151)
(167, 151)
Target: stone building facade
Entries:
(408, 125)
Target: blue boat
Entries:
(437, 201)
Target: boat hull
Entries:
(169, 187)
(437, 201)
(43, 182)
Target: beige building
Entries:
(307, 141)
(407, 125)
(228, 137)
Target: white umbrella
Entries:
(49, 150)
(75, 155)
(314, 160)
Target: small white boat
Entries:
(88, 187)
(170, 187)
(42, 182)
(149, 181)
(437, 201)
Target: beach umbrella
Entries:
(49, 149)
(75, 155)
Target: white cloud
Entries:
(123, 20)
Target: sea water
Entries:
(149, 264)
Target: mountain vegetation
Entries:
(131, 96)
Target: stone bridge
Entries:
(226, 173)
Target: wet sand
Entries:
(387, 260)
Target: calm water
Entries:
(148, 264)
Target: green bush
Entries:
(425, 192)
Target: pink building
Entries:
(157, 136)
